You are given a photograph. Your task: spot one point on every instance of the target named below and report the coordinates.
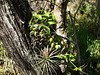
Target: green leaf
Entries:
(42, 10)
(49, 19)
(35, 25)
(32, 32)
(35, 33)
(48, 29)
(42, 34)
(57, 46)
(52, 44)
(65, 57)
(34, 29)
(76, 69)
(53, 17)
(80, 69)
(76, 24)
(44, 17)
(68, 73)
(70, 55)
(39, 17)
(47, 14)
(35, 14)
(31, 28)
(51, 22)
(30, 22)
(73, 59)
(51, 39)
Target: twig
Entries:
(65, 38)
(74, 33)
(78, 8)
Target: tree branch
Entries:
(65, 38)
(74, 33)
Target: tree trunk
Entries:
(60, 13)
(37, 5)
(14, 31)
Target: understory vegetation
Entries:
(49, 46)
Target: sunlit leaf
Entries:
(35, 14)
(80, 69)
(31, 28)
(57, 46)
(51, 22)
(76, 69)
(35, 33)
(32, 32)
(51, 39)
(39, 17)
(70, 55)
(53, 17)
(73, 59)
(52, 45)
(47, 14)
(48, 29)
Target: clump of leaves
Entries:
(47, 59)
(41, 23)
(67, 57)
(71, 58)
(94, 49)
(46, 63)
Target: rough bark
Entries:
(14, 31)
(60, 13)
(14, 15)
(37, 5)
